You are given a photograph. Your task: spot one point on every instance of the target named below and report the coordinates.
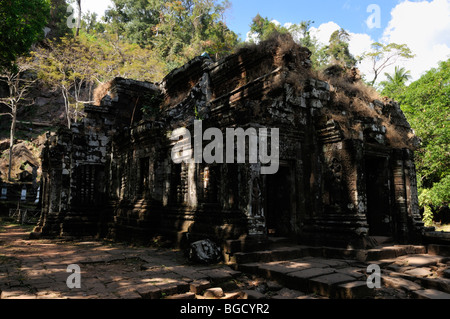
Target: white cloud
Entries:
(324, 32)
(277, 23)
(359, 42)
(425, 28)
(252, 37)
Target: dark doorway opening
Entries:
(379, 214)
(279, 202)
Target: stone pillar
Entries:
(255, 208)
(406, 199)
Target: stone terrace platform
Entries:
(36, 269)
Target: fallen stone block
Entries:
(253, 294)
(149, 292)
(442, 250)
(431, 294)
(286, 293)
(233, 295)
(326, 285)
(442, 284)
(400, 283)
(354, 290)
(422, 260)
(352, 271)
(188, 295)
(229, 285)
(446, 273)
(299, 279)
(168, 289)
(273, 286)
(199, 286)
(419, 272)
(213, 293)
(420, 249)
(216, 276)
(331, 262)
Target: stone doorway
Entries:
(379, 215)
(279, 197)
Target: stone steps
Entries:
(442, 250)
(341, 273)
(276, 254)
(330, 278)
(431, 294)
(288, 252)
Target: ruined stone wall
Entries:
(113, 175)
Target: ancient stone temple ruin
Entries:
(346, 170)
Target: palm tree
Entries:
(399, 77)
(395, 83)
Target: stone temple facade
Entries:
(346, 171)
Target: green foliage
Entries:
(135, 20)
(22, 24)
(91, 25)
(426, 104)
(178, 30)
(58, 19)
(263, 28)
(74, 64)
(338, 49)
(319, 54)
(428, 216)
(394, 86)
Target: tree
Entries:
(395, 84)
(23, 23)
(426, 104)
(91, 25)
(178, 30)
(58, 19)
(190, 27)
(135, 20)
(263, 28)
(18, 83)
(302, 35)
(385, 55)
(64, 66)
(75, 65)
(338, 50)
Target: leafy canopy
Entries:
(426, 104)
(22, 24)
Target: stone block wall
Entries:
(341, 178)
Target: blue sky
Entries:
(349, 14)
(423, 25)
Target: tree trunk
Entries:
(79, 17)
(11, 140)
(67, 106)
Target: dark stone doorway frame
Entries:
(279, 197)
(378, 193)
